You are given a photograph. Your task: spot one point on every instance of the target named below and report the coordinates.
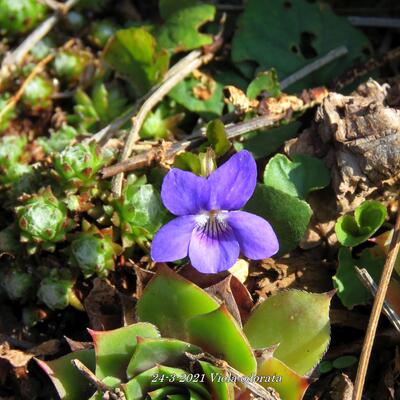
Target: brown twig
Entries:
(373, 63)
(148, 105)
(15, 59)
(254, 387)
(376, 311)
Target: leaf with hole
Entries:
(288, 35)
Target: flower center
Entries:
(212, 223)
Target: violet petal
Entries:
(255, 235)
(171, 242)
(184, 193)
(212, 255)
(233, 183)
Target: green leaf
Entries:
(285, 381)
(218, 333)
(184, 94)
(132, 53)
(152, 352)
(262, 143)
(349, 287)
(298, 321)
(188, 161)
(168, 8)
(344, 362)
(288, 215)
(266, 81)
(216, 135)
(68, 381)
(180, 31)
(170, 300)
(325, 367)
(368, 218)
(298, 177)
(114, 348)
(288, 35)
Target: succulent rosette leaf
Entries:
(12, 165)
(188, 346)
(93, 251)
(43, 221)
(138, 212)
(17, 17)
(77, 165)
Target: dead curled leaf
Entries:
(358, 137)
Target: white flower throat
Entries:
(212, 223)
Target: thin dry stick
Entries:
(104, 133)
(145, 159)
(314, 66)
(16, 58)
(14, 100)
(376, 22)
(376, 310)
(148, 105)
(372, 287)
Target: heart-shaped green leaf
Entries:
(152, 352)
(188, 161)
(114, 348)
(368, 218)
(218, 333)
(287, 35)
(132, 53)
(288, 215)
(68, 381)
(216, 135)
(298, 177)
(170, 300)
(275, 374)
(298, 321)
(349, 287)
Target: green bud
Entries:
(17, 284)
(37, 94)
(55, 293)
(43, 220)
(94, 252)
(78, 165)
(70, 64)
(101, 31)
(18, 17)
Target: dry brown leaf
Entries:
(358, 136)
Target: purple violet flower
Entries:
(208, 226)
